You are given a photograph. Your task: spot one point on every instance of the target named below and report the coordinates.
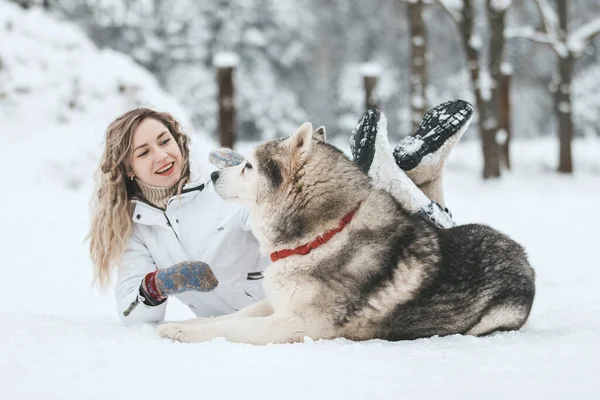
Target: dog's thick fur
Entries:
(389, 274)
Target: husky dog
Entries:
(351, 262)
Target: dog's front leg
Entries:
(254, 330)
(261, 309)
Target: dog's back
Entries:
(482, 284)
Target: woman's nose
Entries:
(160, 155)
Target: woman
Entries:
(158, 225)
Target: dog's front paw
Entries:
(184, 333)
(170, 330)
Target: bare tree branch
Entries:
(579, 38)
(549, 18)
(536, 36)
(550, 35)
(451, 10)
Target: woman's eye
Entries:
(143, 153)
(165, 141)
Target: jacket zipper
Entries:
(171, 226)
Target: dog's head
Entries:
(294, 187)
(268, 169)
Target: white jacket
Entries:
(196, 226)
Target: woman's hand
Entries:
(188, 276)
(224, 158)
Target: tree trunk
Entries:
(496, 17)
(418, 67)
(226, 100)
(563, 95)
(563, 107)
(369, 83)
(488, 127)
(488, 124)
(504, 126)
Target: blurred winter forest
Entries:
(530, 67)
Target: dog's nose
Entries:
(214, 176)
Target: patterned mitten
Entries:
(224, 158)
(183, 277)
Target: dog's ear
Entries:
(320, 134)
(301, 145)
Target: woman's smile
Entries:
(167, 169)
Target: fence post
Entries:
(225, 63)
(370, 73)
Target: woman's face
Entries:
(156, 158)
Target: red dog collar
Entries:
(305, 249)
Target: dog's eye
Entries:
(247, 166)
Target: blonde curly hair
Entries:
(111, 224)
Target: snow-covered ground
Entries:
(62, 339)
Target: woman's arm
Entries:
(133, 307)
(142, 289)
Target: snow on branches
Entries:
(561, 42)
(579, 38)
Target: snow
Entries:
(579, 38)
(490, 123)
(529, 33)
(564, 107)
(550, 32)
(501, 5)
(225, 60)
(62, 339)
(475, 42)
(417, 101)
(501, 136)
(370, 69)
(506, 68)
(549, 17)
(54, 69)
(485, 84)
(255, 37)
(418, 41)
(585, 100)
(452, 4)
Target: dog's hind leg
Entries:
(499, 318)
(257, 330)
(261, 309)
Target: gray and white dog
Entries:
(350, 261)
